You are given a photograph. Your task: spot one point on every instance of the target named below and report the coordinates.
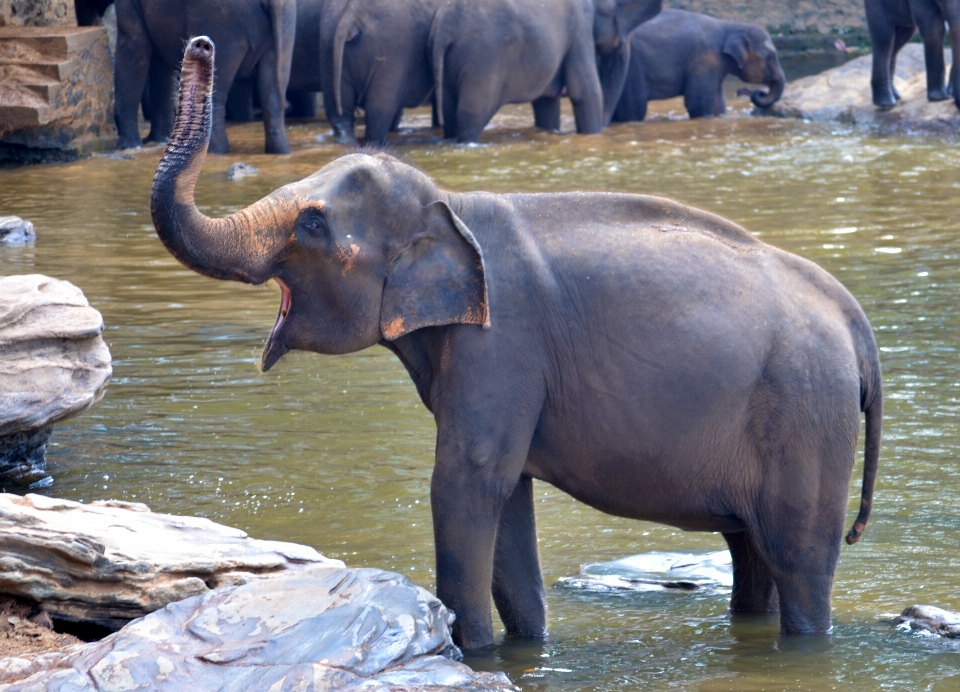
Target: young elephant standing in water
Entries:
(680, 53)
(653, 360)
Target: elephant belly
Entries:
(692, 492)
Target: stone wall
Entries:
(37, 13)
(786, 16)
(56, 83)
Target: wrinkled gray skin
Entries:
(687, 54)
(490, 52)
(892, 24)
(374, 56)
(256, 38)
(650, 359)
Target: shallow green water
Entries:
(336, 452)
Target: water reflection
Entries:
(336, 452)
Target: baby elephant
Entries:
(684, 53)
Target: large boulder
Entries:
(321, 628)
(107, 563)
(54, 365)
(842, 94)
(254, 616)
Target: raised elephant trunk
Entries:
(224, 248)
(765, 99)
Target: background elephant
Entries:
(374, 56)
(892, 24)
(256, 38)
(490, 52)
(652, 360)
(684, 53)
(304, 83)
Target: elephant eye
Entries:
(314, 224)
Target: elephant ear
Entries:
(735, 46)
(437, 279)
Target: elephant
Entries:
(689, 54)
(90, 12)
(256, 36)
(374, 56)
(652, 360)
(892, 24)
(487, 53)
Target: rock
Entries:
(109, 562)
(55, 366)
(655, 571)
(240, 170)
(843, 95)
(930, 619)
(15, 231)
(323, 627)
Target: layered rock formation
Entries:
(56, 89)
(255, 615)
(843, 95)
(108, 563)
(54, 364)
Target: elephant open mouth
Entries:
(274, 349)
(285, 300)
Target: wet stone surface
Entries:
(842, 94)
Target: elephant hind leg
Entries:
(754, 590)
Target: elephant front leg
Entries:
(546, 113)
(476, 481)
(517, 582)
(272, 98)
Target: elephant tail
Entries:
(348, 28)
(439, 43)
(283, 18)
(871, 402)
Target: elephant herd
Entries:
(467, 57)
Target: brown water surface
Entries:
(336, 452)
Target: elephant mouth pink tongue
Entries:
(285, 301)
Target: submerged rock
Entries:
(843, 94)
(930, 619)
(655, 571)
(55, 366)
(15, 231)
(240, 170)
(109, 562)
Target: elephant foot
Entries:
(934, 95)
(885, 98)
(346, 138)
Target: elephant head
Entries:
(753, 52)
(613, 20)
(364, 250)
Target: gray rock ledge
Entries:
(281, 618)
(110, 562)
(843, 95)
